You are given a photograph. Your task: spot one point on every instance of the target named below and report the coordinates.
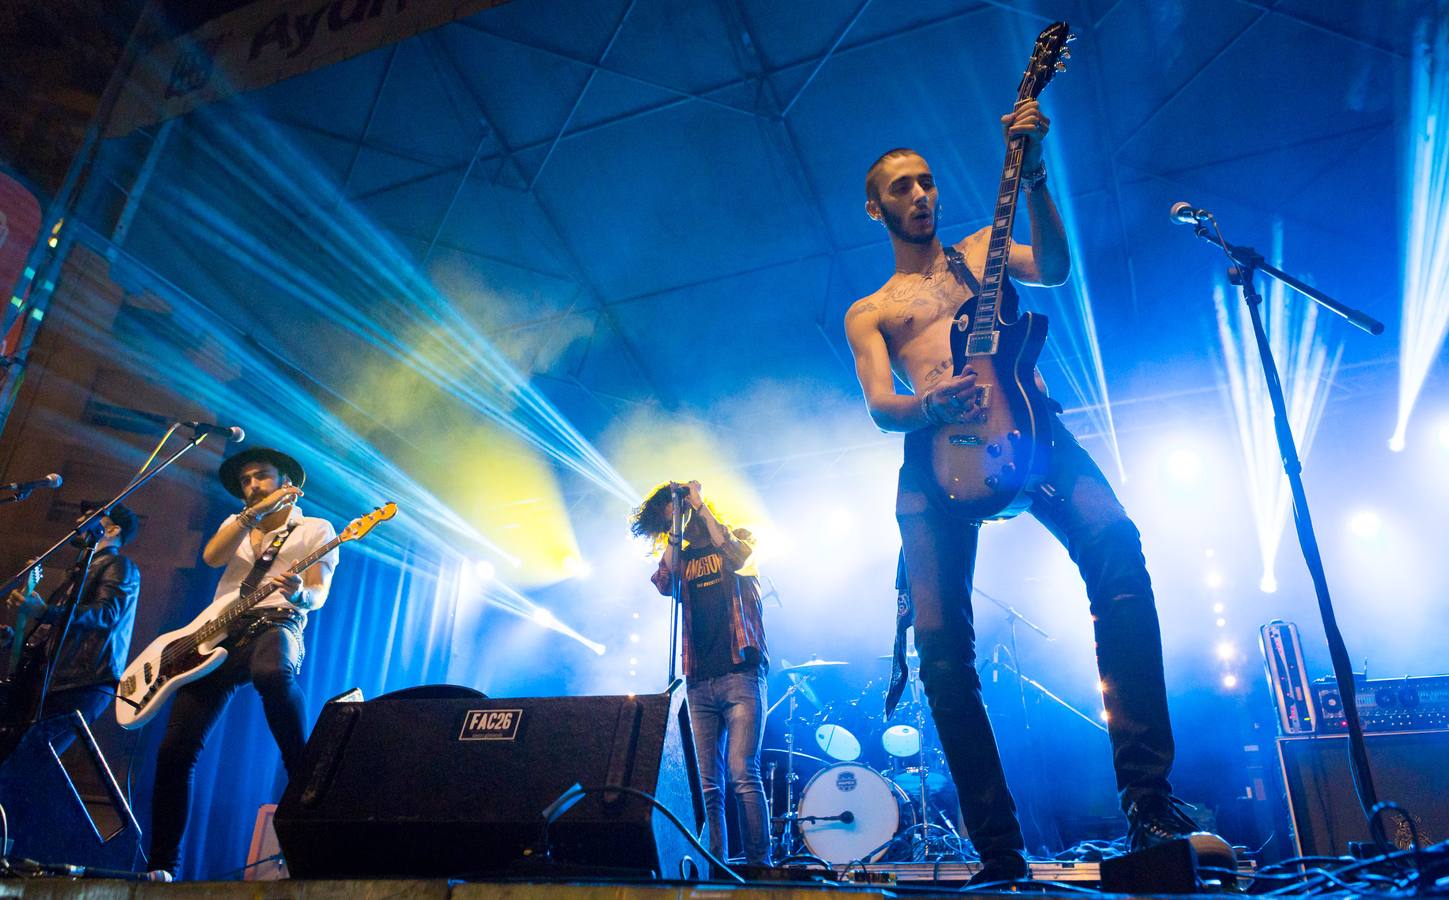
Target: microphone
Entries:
(1183, 213)
(232, 433)
(50, 481)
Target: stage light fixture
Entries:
(1218, 608)
(1222, 623)
(1226, 651)
(1184, 465)
(575, 567)
(484, 570)
(1230, 681)
(1213, 579)
(1366, 524)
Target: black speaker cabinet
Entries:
(1410, 767)
(458, 786)
(62, 803)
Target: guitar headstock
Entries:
(361, 525)
(1048, 57)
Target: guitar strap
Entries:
(264, 562)
(959, 268)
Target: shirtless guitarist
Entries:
(905, 327)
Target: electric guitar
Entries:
(985, 467)
(187, 654)
(20, 630)
(20, 690)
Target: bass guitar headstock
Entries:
(361, 525)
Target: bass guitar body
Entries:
(985, 468)
(167, 663)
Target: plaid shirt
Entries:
(747, 619)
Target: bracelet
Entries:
(932, 417)
(246, 519)
(1035, 178)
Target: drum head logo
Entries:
(845, 781)
(491, 725)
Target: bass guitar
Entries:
(986, 467)
(187, 654)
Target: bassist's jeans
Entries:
(270, 661)
(1084, 514)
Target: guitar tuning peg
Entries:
(1061, 67)
(1066, 54)
(1071, 37)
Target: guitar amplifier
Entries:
(1410, 768)
(1387, 704)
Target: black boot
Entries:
(1011, 867)
(1156, 819)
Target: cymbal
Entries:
(811, 665)
(910, 655)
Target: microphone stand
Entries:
(1245, 261)
(676, 577)
(82, 530)
(17, 497)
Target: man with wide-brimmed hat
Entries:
(257, 546)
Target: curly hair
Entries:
(649, 519)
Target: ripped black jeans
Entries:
(940, 555)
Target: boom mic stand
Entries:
(1244, 262)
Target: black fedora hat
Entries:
(230, 471)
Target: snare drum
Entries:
(848, 812)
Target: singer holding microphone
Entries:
(724, 654)
(257, 545)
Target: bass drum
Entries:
(849, 813)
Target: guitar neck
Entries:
(234, 610)
(999, 245)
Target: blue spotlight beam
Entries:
(399, 296)
(1426, 233)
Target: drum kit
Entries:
(875, 789)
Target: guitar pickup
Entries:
(982, 344)
(147, 669)
(983, 395)
(128, 684)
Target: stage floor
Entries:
(885, 881)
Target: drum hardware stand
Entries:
(787, 820)
(1032, 807)
(926, 844)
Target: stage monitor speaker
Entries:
(458, 787)
(1410, 768)
(62, 803)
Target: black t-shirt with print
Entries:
(711, 591)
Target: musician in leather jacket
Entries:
(89, 661)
